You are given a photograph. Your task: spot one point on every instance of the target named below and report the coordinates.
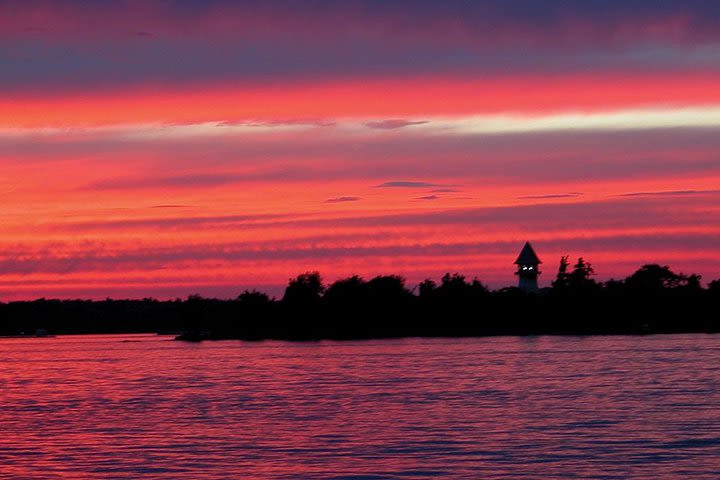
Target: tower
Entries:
(527, 271)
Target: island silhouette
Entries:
(654, 299)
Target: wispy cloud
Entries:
(197, 180)
(342, 199)
(298, 122)
(551, 196)
(176, 181)
(27, 260)
(176, 223)
(589, 215)
(393, 124)
(670, 193)
(407, 184)
(428, 197)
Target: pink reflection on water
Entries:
(144, 406)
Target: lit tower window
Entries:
(527, 271)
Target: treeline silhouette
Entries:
(654, 299)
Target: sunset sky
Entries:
(164, 148)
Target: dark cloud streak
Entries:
(157, 258)
(406, 184)
(81, 49)
(670, 193)
(394, 124)
(342, 199)
(550, 196)
(617, 212)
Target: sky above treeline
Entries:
(173, 147)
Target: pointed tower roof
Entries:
(527, 256)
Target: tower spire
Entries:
(527, 270)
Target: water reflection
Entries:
(544, 407)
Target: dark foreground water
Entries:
(562, 407)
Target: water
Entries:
(130, 407)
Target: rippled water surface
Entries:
(548, 407)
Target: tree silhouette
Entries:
(654, 277)
(579, 279)
(304, 289)
(692, 282)
(714, 288)
(426, 289)
(253, 299)
(455, 288)
(580, 275)
(388, 288)
(346, 291)
(654, 299)
(562, 279)
(454, 282)
(478, 288)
